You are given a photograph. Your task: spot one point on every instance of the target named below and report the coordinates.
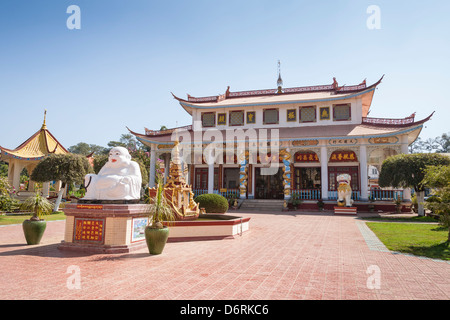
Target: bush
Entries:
(8, 204)
(213, 203)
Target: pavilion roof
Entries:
(39, 145)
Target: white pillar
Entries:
(210, 161)
(166, 166)
(324, 172)
(405, 150)
(17, 169)
(152, 173)
(211, 177)
(364, 174)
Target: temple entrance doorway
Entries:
(269, 186)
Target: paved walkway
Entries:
(283, 256)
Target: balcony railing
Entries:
(228, 193)
(385, 195)
(333, 195)
(307, 194)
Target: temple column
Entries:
(152, 172)
(287, 176)
(405, 150)
(324, 172)
(166, 166)
(15, 179)
(243, 176)
(363, 173)
(210, 161)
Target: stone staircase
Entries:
(262, 205)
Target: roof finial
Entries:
(44, 126)
(279, 81)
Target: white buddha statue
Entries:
(119, 179)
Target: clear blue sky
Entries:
(118, 70)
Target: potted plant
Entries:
(156, 234)
(371, 205)
(320, 204)
(295, 201)
(398, 204)
(34, 227)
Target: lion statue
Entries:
(344, 190)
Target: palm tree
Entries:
(38, 205)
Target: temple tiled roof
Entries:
(331, 92)
(370, 127)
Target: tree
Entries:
(127, 141)
(68, 168)
(408, 170)
(86, 149)
(438, 178)
(443, 143)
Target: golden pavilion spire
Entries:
(44, 126)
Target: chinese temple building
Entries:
(320, 132)
(29, 153)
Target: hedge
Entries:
(213, 203)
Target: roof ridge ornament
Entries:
(279, 81)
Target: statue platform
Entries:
(345, 211)
(108, 226)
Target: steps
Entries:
(262, 205)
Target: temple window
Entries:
(236, 118)
(208, 119)
(270, 116)
(291, 115)
(307, 114)
(342, 112)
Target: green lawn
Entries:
(402, 219)
(428, 240)
(18, 219)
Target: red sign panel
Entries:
(306, 157)
(343, 156)
(89, 230)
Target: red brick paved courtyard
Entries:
(283, 256)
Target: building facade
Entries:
(271, 144)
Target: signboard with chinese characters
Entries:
(305, 143)
(343, 156)
(343, 141)
(90, 206)
(383, 140)
(89, 230)
(308, 156)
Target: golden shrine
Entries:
(178, 193)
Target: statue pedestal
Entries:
(104, 227)
(345, 211)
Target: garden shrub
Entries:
(213, 203)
